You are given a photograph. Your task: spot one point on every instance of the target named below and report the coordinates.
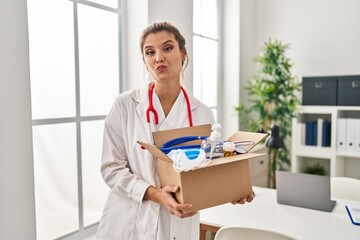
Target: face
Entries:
(163, 57)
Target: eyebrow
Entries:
(164, 43)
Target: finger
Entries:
(244, 200)
(241, 201)
(186, 215)
(171, 188)
(179, 213)
(181, 207)
(250, 198)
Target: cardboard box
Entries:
(223, 180)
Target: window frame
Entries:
(219, 112)
(78, 119)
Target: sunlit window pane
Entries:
(205, 18)
(55, 171)
(108, 3)
(51, 41)
(95, 190)
(99, 60)
(197, 82)
(205, 70)
(197, 22)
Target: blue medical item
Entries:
(173, 144)
(188, 159)
(192, 153)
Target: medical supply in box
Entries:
(213, 145)
(229, 149)
(223, 180)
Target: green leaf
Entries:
(274, 85)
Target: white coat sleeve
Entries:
(114, 164)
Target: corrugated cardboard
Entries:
(223, 180)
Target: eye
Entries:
(168, 48)
(149, 53)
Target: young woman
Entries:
(138, 208)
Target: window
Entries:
(206, 56)
(75, 75)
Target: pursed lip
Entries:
(160, 67)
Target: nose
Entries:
(159, 58)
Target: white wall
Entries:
(247, 48)
(324, 35)
(17, 208)
(230, 74)
(134, 74)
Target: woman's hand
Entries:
(164, 197)
(244, 200)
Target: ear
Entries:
(183, 57)
(184, 52)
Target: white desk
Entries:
(301, 223)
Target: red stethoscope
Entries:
(152, 109)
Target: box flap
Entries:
(161, 137)
(241, 136)
(234, 158)
(155, 151)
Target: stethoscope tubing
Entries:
(153, 110)
(151, 107)
(172, 144)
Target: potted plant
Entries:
(316, 169)
(273, 99)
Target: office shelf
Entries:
(336, 162)
(314, 151)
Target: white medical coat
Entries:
(129, 170)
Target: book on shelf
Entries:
(301, 133)
(309, 133)
(357, 142)
(348, 136)
(326, 133)
(314, 135)
(320, 122)
(341, 135)
(318, 133)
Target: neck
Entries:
(167, 94)
(168, 91)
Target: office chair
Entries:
(346, 188)
(240, 233)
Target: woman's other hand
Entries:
(164, 197)
(244, 200)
